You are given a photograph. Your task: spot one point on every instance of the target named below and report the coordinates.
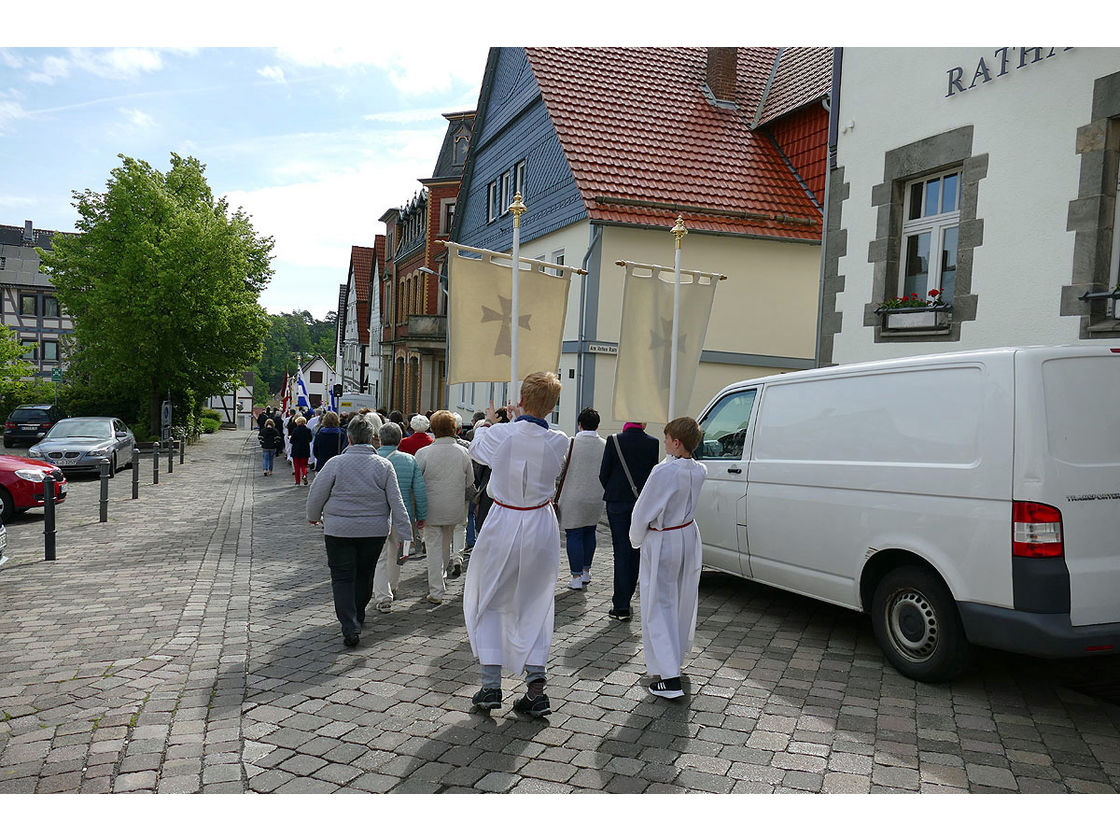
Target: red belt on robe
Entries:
(515, 507)
(674, 528)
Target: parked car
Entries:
(21, 484)
(28, 424)
(960, 498)
(78, 444)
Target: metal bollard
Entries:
(48, 518)
(104, 489)
(135, 473)
(155, 462)
(171, 456)
(182, 449)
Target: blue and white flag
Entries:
(333, 400)
(301, 392)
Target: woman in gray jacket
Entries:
(357, 498)
(580, 497)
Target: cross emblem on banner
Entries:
(503, 346)
(663, 341)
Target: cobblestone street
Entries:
(190, 644)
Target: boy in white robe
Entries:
(509, 597)
(669, 579)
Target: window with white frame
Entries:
(519, 178)
(447, 215)
(929, 235)
(506, 195)
(493, 208)
(50, 351)
(30, 349)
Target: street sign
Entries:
(56, 375)
(165, 418)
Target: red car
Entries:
(21, 484)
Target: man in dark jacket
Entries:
(639, 456)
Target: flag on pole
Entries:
(284, 395)
(641, 382)
(331, 398)
(480, 305)
(302, 400)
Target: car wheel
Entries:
(7, 509)
(917, 625)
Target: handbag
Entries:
(563, 475)
(625, 468)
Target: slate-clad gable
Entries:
(516, 126)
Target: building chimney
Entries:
(721, 72)
(28, 233)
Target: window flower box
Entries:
(912, 318)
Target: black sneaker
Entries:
(619, 616)
(670, 688)
(533, 707)
(487, 698)
(350, 641)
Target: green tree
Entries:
(162, 282)
(289, 334)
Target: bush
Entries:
(210, 425)
(213, 414)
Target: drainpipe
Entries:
(581, 332)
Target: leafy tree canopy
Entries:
(162, 282)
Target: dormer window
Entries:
(459, 149)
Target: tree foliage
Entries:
(162, 282)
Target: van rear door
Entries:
(1067, 455)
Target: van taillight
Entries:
(1036, 530)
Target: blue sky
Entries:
(316, 118)
(315, 143)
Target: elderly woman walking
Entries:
(387, 577)
(449, 477)
(330, 440)
(357, 498)
(579, 496)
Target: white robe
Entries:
(509, 597)
(669, 576)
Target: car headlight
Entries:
(32, 475)
(97, 453)
(35, 452)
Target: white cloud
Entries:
(116, 63)
(411, 71)
(273, 73)
(416, 115)
(138, 118)
(10, 112)
(10, 59)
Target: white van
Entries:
(958, 498)
(349, 403)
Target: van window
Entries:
(902, 417)
(1082, 424)
(725, 427)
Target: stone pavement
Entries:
(190, 644)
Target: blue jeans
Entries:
(268, 455)
(470, 526)
(581, 548)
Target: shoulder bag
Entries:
(563, 475)
(625, 468)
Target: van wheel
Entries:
(917, 625)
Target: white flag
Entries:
(645, 343)
(480, 310)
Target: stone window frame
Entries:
(1091, 216)
(948, 150)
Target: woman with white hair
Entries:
(357, 498)
(419, 437)
(449, 479)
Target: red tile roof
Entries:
(361, 263)
(644, 142)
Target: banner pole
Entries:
(516, 208)
(679, 231)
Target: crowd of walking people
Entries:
(503, 487)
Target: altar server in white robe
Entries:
(669, 579)
(509, 597)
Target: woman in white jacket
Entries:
(449, 477)
(579, 497)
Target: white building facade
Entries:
(987, 176)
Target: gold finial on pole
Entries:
(517, 208)
(679, 230)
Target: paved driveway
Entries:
(190, 645)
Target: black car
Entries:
(29, 424)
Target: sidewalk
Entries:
(190, 644)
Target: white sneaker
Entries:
(586, 576)
(576, 582)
